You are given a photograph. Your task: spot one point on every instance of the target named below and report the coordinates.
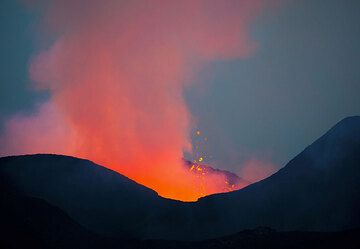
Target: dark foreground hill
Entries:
(319, 190)
(33, 223)
(265, 238)
(95, 197)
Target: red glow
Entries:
(116, 74)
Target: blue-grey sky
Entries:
(302, 79)
(16, 48)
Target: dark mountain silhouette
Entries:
(318, 190)
(263, 237)
(32, 223)
(94, 196)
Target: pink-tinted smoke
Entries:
(116, 73)
(255, 170)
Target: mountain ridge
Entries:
(301, 196)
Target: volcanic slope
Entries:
(318, 190)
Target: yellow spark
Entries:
(200, 159)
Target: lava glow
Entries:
(116, 72)
(228, 181)
(207, 179)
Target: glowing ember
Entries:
(208, 179)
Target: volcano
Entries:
(305, 195)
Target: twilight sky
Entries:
(261, 109)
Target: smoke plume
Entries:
(116, 72)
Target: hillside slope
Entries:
(318, 190)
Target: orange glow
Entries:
(209, 180)
(116, 73)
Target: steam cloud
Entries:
(116, 73)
